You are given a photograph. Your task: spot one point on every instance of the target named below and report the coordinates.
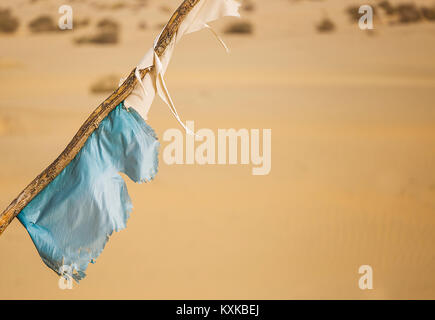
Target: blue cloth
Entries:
(71, 220)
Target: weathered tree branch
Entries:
(92, 123)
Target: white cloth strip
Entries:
(141, 98)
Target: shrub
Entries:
(326, 25)
(108, 33)
(408, 13)
(8, 23)
(43, 24)
(243, 27)
(106, 84)
(106, 37)
(428, 13)
(107, 24)
(387, 7)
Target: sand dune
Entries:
(3, 127)
(352, 180)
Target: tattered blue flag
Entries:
(71, 220)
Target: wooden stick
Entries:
(92, 123)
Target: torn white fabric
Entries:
(143, 94)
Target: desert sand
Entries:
(352, 114)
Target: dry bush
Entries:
(80, 23)
(408, 13)
(106, 84)
(387, 7)
(326, 25)
(242, 27)
(428, 13)
(105, 37)
(108, 24)
(43, 24)
(8, 23)
(108, 33)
